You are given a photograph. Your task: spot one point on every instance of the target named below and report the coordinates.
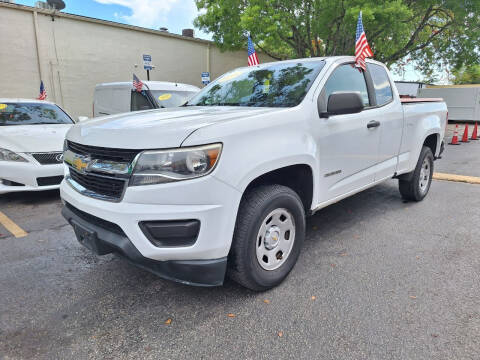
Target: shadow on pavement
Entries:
(30, 197)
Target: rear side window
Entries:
(347, 78)
(140, 101)
(383, 89)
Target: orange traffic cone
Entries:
(474, 134)
(465, 135)
(455, 137)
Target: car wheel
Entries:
(268, 237)
(417, 187)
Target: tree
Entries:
(467, 75)
(433, 33)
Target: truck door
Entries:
(347, 144)
(390, 115)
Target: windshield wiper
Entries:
(187, 104)
(229, 104)
(247, 104)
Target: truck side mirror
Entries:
(82, 118)
(343, 102)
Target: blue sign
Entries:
(205, 78)
(147, 62)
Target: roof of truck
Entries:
(153, 85)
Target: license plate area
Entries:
(90, 240)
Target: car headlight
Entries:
(7, 155)
(162, 166)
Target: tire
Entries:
(418, 185)
(246, 265)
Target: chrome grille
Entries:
(48, 158)
(104, 187)
(92, 181)
(101, 153)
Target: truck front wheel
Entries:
(268, 237)
(418, 184)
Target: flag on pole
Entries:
(252, 55)
(137, 83)
(362, 49)
(43, 92)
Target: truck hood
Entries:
(33, 138)
(154, 129)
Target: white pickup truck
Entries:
(222, 185)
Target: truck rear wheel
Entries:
(268, 237)
(417, 187)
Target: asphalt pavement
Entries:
(378, 278)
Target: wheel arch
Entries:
(298, 177)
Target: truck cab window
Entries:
(383, 88)
(140, 101)
(346, 78)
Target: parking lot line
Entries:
(8, 223)
(457, 178)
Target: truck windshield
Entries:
(165, 98)
(32, 114)
(275, 85)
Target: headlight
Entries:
(157, 167)
(7, 155)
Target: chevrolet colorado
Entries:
(222, 185)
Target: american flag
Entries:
(362, 49)
(137, 83)
(252, 55)
(43, 92)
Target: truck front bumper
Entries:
(171, 210)
(105, 239)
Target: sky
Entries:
(172, 14)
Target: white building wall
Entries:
(75, 53)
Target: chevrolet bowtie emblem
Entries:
(77, 161)
(80, 164)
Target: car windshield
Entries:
(32, 114)
(275, 85)
(169, 99)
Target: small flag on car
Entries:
(43, 92)
(252, 55)
(137, 83)
(362, 49)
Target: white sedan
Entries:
(32, 133)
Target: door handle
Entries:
(373, 124)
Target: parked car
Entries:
(227, 189)
(120, 97)
(32, 134)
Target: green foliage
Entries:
(467, 75)
(433, 33)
